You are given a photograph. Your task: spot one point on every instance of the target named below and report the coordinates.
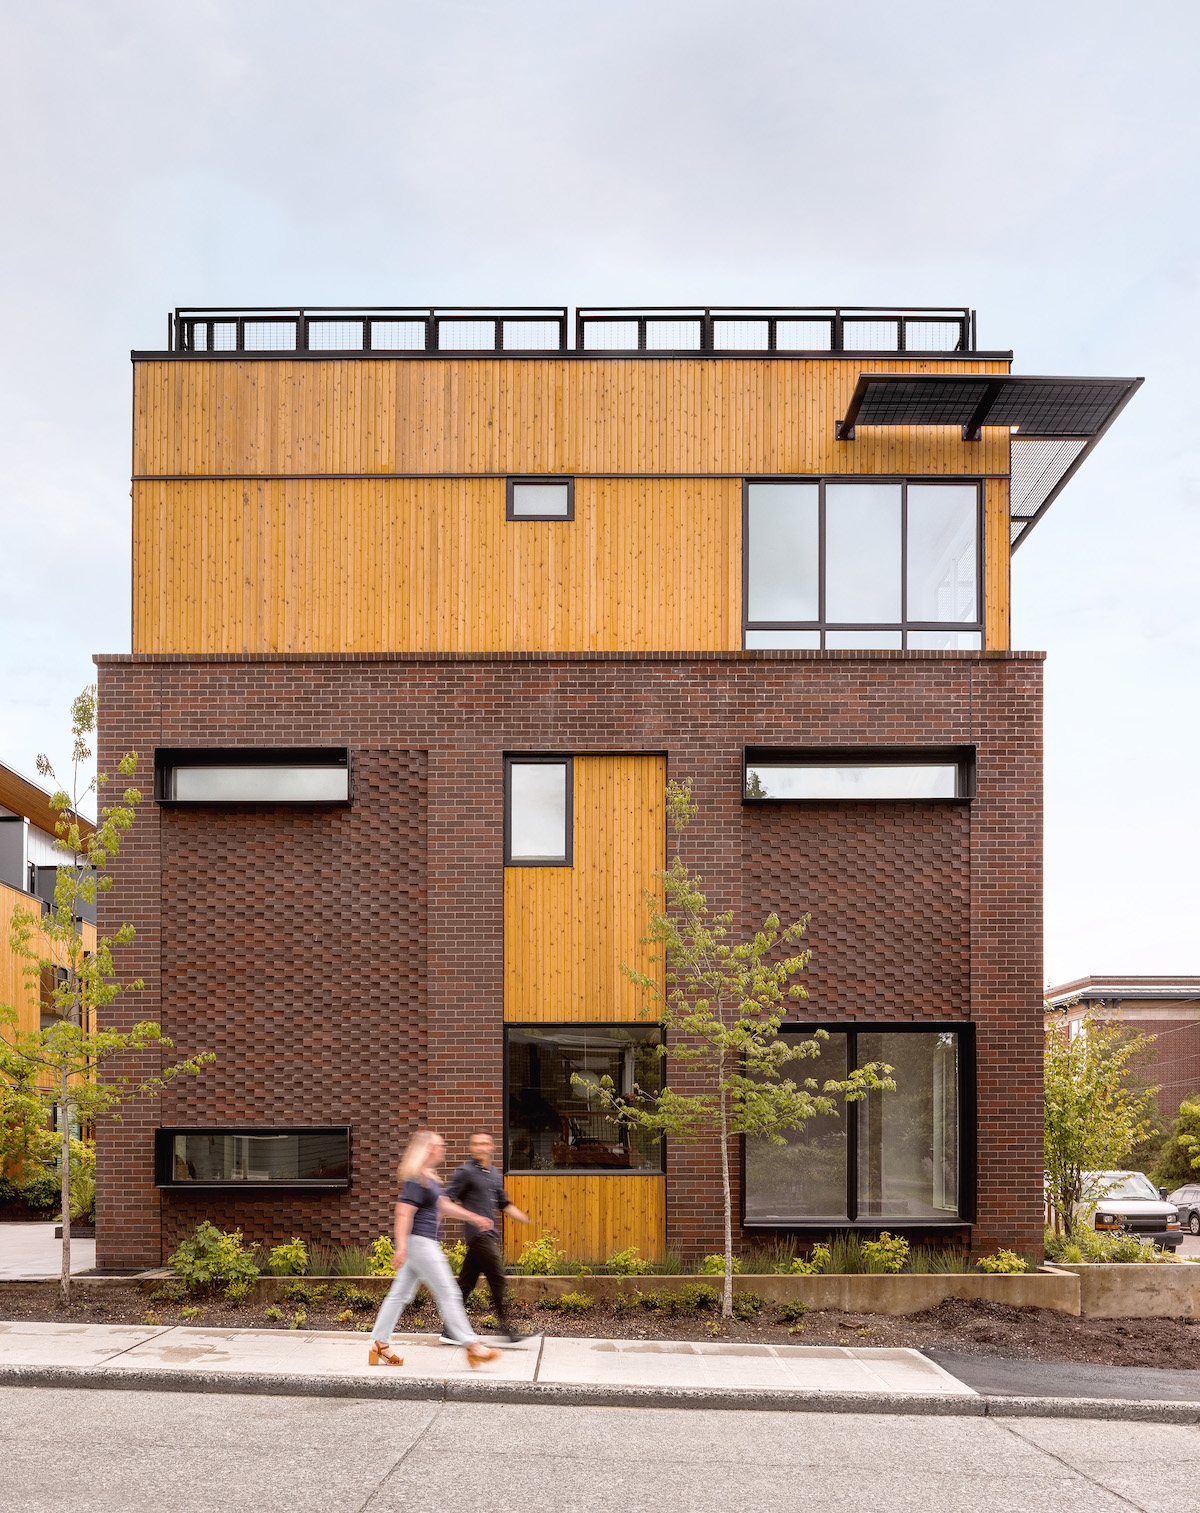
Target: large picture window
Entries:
(268, 1157)
(554, 1121)
(904, 1157)
(841, 564)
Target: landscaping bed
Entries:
(969, 1326)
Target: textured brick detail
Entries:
(916, 911)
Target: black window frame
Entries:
(544, 1026)
(822, 625)
(968, 1131)
(963, 757)
(539, 478)
(164, 1177)
(167, 758)
(536, 759)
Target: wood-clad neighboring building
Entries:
(428, 608)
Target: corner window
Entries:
(537, 811)
(553, 1122)
(197, 1158)
(902, 1156)
(842, 775)
(540, 499)
(253, 775)
(859, 564)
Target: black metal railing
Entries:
(547, 328)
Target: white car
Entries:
(1130, 1202)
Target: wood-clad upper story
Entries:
(356, 503)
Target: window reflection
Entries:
(941, 552)
(862, 552)
(805, 1178)
(782, 564)
(908, 1140)
(261, 1156)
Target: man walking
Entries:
(479, 1187)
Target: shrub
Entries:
(236, 1292)
(714, 1266)
(42, 1189)
(345, 1317)
(354, 1298)
(455, 1256)
(290, 1260)
(792, 1313)
(1006, 1261)
(747, 1304)
(215, 1258)
(300, 1319)
(627, 1263)
(887, 1253)
(381, 1257)
(655, 1302)
(541, 1257)
(1100, 1248)
(569, 1302)
(8, 1189)
(805, 1266)
(694, 1297)
(191, 1313)
(303, 1293)
(624, 1302)
(477, 1302)
(273, 1312)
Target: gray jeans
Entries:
(426, 1262)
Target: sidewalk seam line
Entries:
(1091, 1480)
(391, 1470)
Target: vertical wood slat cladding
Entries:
(764, 414)
(568, 929)
(591, 1216)
(997, 566)
(433, 565)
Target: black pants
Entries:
(483, 1257)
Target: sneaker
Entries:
(446, 1340)
(515, 1336)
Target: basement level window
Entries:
(260, 775)
(541, 499)
(849, 775)
(272, 1157)
(537, 811)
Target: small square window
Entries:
(541, 499)
(537, 812)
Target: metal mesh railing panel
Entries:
(335, 335)
(269, 336)
(932, 335)
(610, 335)
(224, 336)
(532, 336)
(467, 335)
(740, 335)
(672, 335)
(398, 335)
(804, 335)
(870, 336)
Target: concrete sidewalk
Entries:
(30, 1253)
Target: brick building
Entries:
(428, 607)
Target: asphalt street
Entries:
(167, 1452)
(998, 1377)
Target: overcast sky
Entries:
(1036, 161)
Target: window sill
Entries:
(340, 1184)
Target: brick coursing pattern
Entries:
(917, 911)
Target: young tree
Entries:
(1094, 1117)
(1179, 1157)
(61, 1066)
(720, 1009)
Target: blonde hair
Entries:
(416, 1155)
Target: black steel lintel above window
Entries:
(858, 774)
(265, 1158)
(237, 776)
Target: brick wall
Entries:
(916, 912)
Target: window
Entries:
(253, 1157)
(850, 565)
(900, 1157)
(553, 1122)
(840, 775)
(537, 811)
(253, 775)
(541, 499)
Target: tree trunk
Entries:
(727, 1301)
(65, 1109)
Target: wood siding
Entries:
(996, 566)
(568, 929)
(591, 1216)
(228, 560)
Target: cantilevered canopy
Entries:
(1055, 422)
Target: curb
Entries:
(476, 1390)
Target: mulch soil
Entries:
(958, 1325)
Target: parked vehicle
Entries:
(1187, 1201)
(1130, 1202)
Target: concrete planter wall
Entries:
(1138, 1292)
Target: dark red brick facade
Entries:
(346, 966)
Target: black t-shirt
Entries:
(481, 1189)
(424, 1198)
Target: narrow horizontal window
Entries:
(253, 1157)
(537, 817)
(541, 499)
(849, 776)
(554, 1121)
(253, 776)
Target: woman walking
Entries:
(419, 1257)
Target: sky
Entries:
(1036, 161)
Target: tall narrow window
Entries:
(941, 552)
(862, 553)
(537, 819)
(782, 567)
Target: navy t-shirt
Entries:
(424, 1198)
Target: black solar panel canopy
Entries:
(1040, 408)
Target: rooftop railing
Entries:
(550, 328)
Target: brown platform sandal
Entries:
(477, 1354)
(383, 1355)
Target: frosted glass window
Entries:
(259, 785)
(944, 640)
(783, 640)
(862, 552)
(862, 640)
(537, 811)
(849, 781)
(783, 571)
(531, 501)
(942, 553)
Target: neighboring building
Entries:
(427, 608)
(1166, 1007)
